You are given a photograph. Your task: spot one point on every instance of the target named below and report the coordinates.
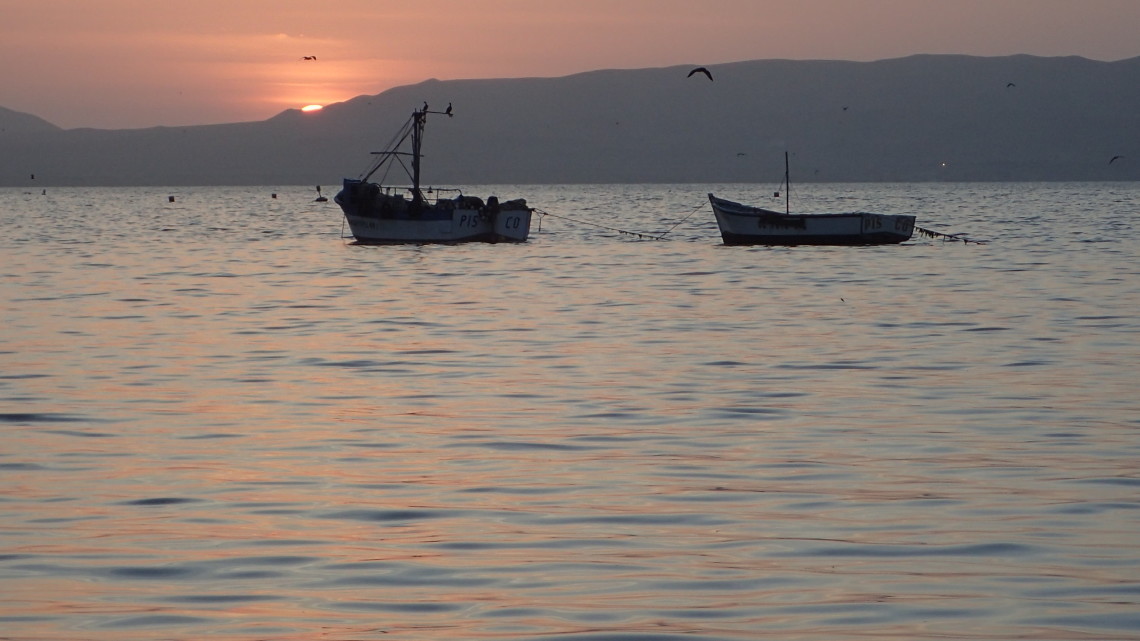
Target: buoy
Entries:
(170, 199)
(274, 195)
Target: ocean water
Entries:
(222, 420)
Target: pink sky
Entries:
(141, 63)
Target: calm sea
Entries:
(221, 420)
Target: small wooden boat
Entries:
(747, 225)
(379, 214)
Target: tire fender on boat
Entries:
(491, 211)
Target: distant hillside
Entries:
(920, 118)
(16, 123)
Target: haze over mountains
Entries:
(920, 118)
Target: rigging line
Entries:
(678, 224)
(396, 141)
(584, 222)
(407, 170)
(384, 178)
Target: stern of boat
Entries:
(512, 221)
(887, 228)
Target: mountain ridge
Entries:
(925, 117)
(17, 122)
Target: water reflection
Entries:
(221, 427)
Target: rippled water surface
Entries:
(221, 420)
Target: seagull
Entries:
(308, 58)
(1114, 159)
(700, 70)
(1009, 84)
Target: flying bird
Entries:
(308, 58)
(1114, 159)
(1009, 84)
(700, 70)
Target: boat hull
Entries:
(384, 219)
(746, 225)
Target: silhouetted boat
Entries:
(379, 214)
(747, 225)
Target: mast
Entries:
(787, 187)
(418, 120)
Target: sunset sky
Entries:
(140, 63)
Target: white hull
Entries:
(464, 225)
(746, 225)
(377, 218)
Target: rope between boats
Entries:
(687, 216)
(644, 236)
(543, 214)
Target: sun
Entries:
(312, 108)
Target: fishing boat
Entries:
(383, 214)
(747, 225)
